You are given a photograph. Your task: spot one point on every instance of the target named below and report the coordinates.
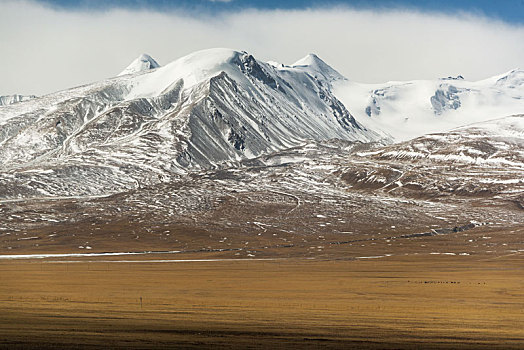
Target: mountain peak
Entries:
(142, 63)
(316, 66)
(193, 68)
(310, 59)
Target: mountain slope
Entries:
(498, 142)
(312, 197)
(479, 160)
(208, 109)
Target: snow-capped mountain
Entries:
(208, 109)
(410, 109)
(218, 143)
(142, 63)
(10, 99)
(216, 108)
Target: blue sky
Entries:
(511, 11)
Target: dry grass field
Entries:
(398, 302)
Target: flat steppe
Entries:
(396, 302)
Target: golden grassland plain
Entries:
(413, 302)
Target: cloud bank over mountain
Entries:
(47, 49)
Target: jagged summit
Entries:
(316, 66)
(310, 59)
(142, 63)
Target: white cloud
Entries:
(44, 49)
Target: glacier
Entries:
(409, 109)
